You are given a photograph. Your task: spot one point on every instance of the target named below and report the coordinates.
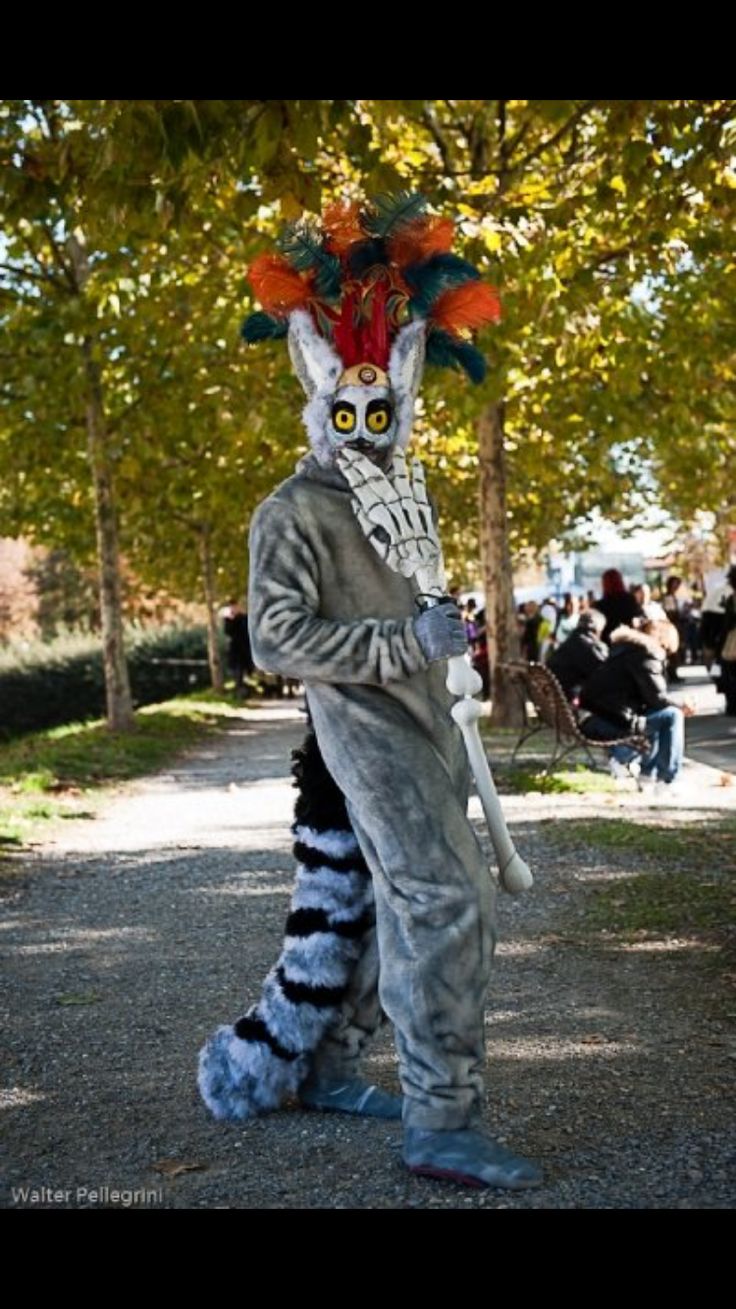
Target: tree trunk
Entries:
(217, 676)
(120, 716)
(498, 582)
(503, 636)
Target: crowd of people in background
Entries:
(701, 621)
(475, 630)
(616, 654)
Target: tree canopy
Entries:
(130, 407)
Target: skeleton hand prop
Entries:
(396, 517)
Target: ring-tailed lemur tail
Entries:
(253, 1065)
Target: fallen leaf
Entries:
(173, 1167)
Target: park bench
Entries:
(537, 685)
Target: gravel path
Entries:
(128, 938)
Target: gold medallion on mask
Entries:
(363, 375)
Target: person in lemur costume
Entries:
(394, 906)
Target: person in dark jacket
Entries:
(578, 656)
(628, 694)
(479, 653)
(728, 664)
(712, 620)
(618, 604)
(530, 632)
(675, 611)
(240, 658)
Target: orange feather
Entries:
(439, 236)
(419, 239)
(341, 225)
(278, 286)
(466, 307)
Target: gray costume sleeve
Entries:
(288, 635)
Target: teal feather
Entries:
(263, 327)
(301, 243)
(390, 213)
(427, 280)
(445, 351)
(472, 362)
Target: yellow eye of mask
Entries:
(343, 418)
(378, 420)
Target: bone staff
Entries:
(463, 681)
(514, 874)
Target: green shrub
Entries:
(43, 685)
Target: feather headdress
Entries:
(364, 272)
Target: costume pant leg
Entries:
(434, 903)
(339, 1052)
(436, 939)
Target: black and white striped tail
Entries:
(253, 1065)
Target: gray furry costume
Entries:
(394, 907)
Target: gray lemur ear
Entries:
(315, 362)
(405, 372)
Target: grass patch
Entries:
(677, 903)
(19, 821)
(527, 771)
(573, 781)
(63, 764)
(43, 780)
(681, 883)
(705, 844)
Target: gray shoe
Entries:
(468, 1157)
(350, 1097)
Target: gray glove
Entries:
(440, 632)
